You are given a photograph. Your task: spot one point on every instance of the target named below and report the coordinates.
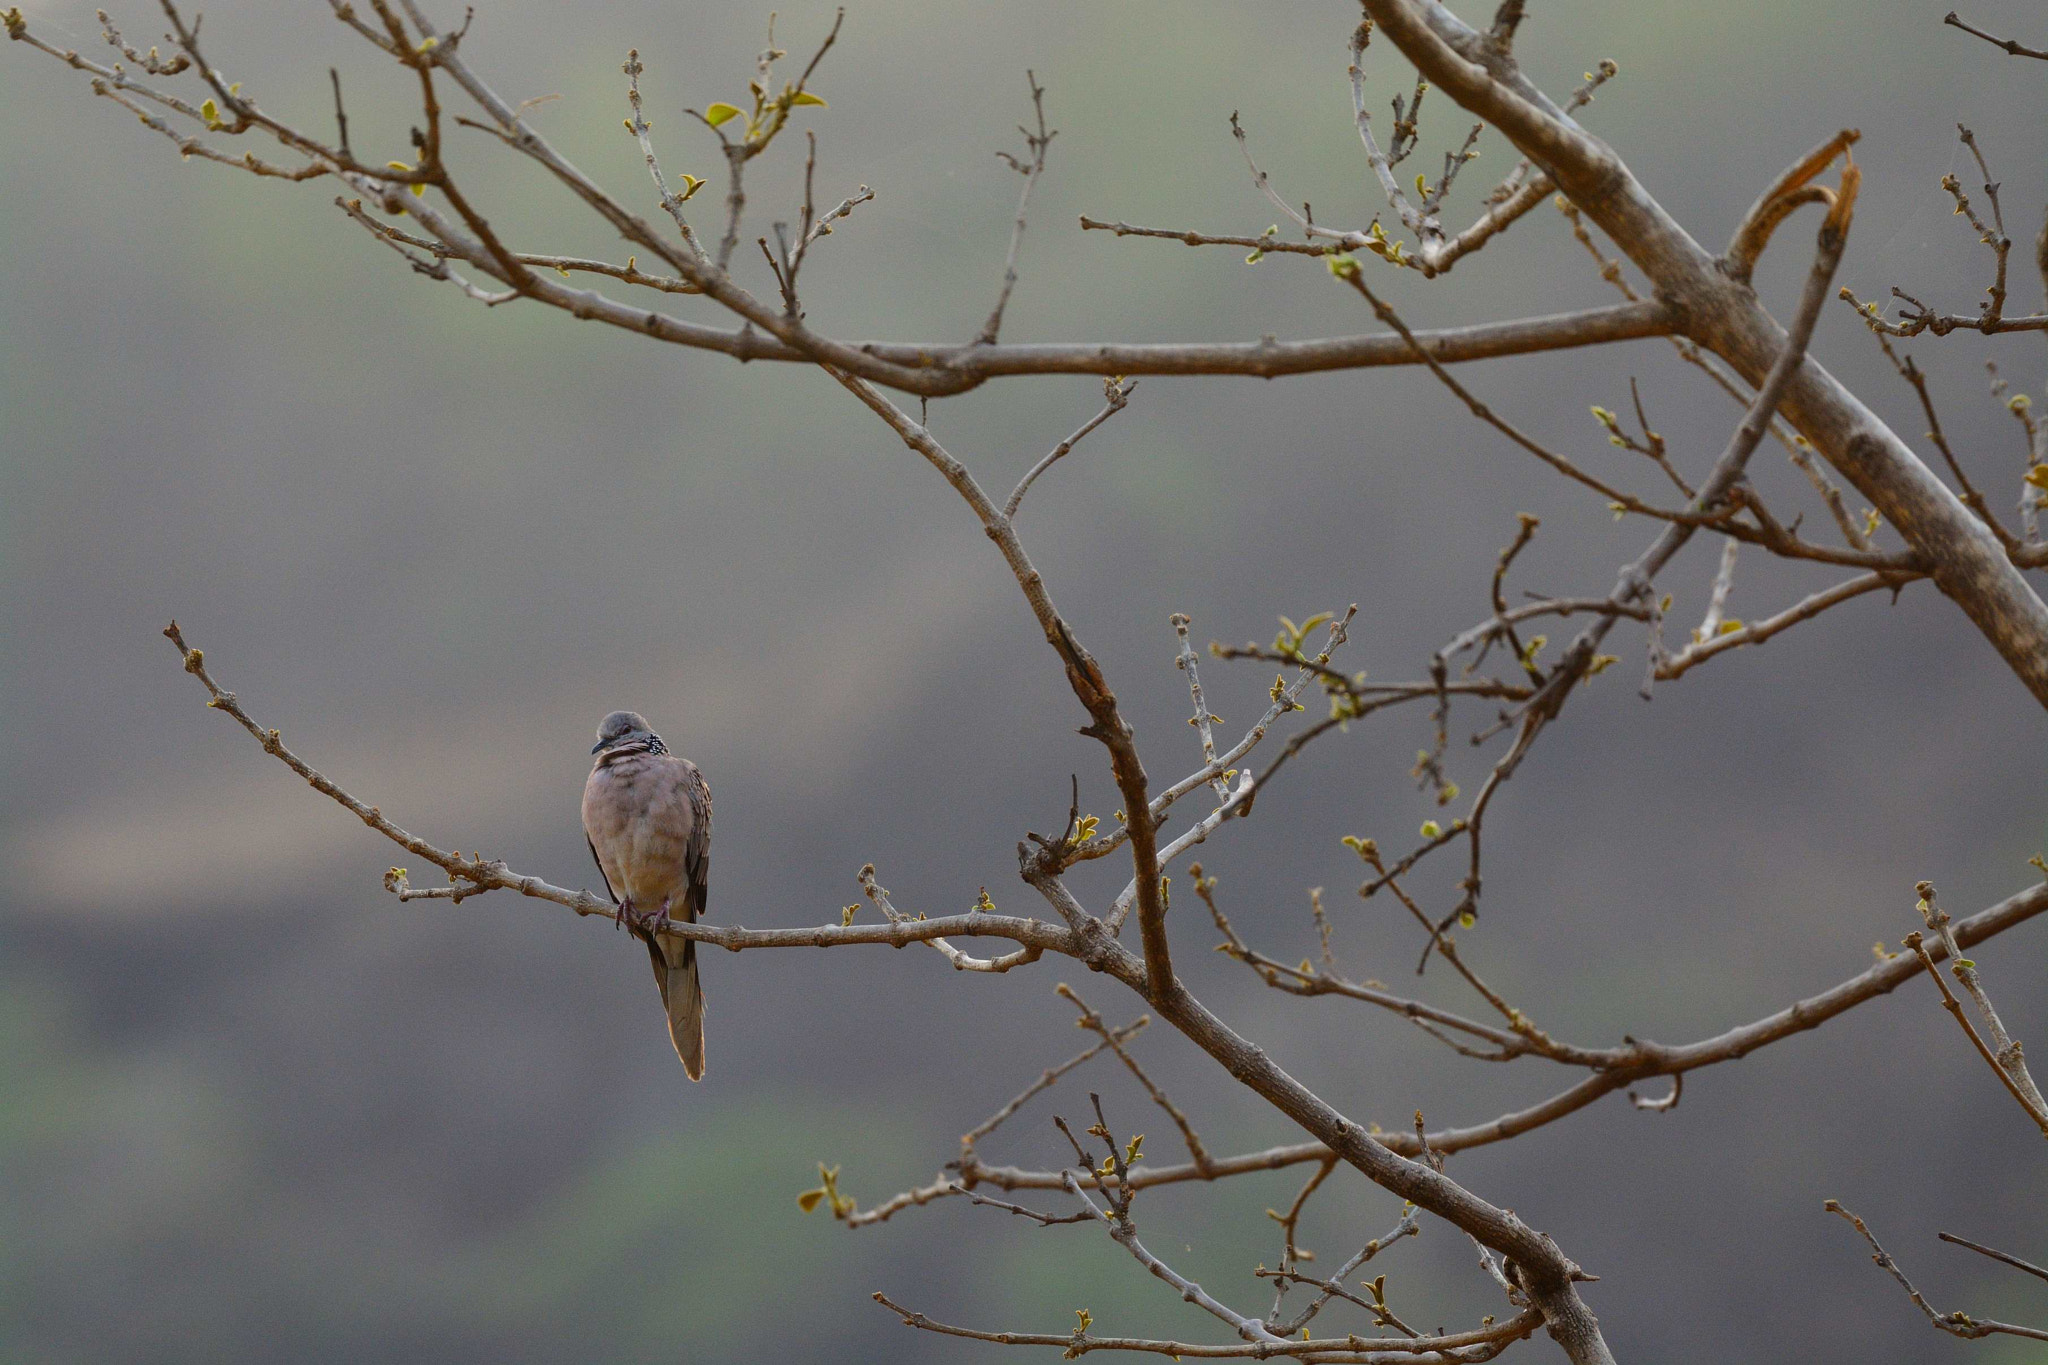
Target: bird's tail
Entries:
(675, 972)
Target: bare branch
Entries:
(1409, 1226)
(1957, 1323)
(1092, 1021)
(2011, 47)
(2015, 1262)
(2003, 1054)
(1261, 245)
(1125, 1234)
(1966, 561)
(1047, 1078)
(1756, 632)
(1290, 1254)
(1664, 1105)
(475, 875)
(1116, 394)
(1046, 1220)
(1615, 1068)
(1084, 676)
(879, 894)
(1204, 722)
(1284, 702)
(1030, 167)
(1460, 1346)
(1790, 191)
(1990, 319)
(638, 125)
(1717, 597)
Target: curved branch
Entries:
(1756, 632)
(1456, 1346)
(1617, 1068)
(1724, 316)
(476, 875)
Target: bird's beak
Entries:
(597, 747)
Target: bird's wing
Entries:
(600, 869)
(697, 852)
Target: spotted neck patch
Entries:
(650, 745)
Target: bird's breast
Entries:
(639, 820)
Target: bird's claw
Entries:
(623, 913)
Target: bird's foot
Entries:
(658, 915)
(623, 913)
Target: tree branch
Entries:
(1963, 557)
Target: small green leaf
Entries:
(210, 112)
(691, 184)
(1431, 830)
(810, 1199)
(720, 113)
(804, 97)
(417, 190)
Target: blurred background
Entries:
(256, 1110)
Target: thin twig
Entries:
(1116, 395)
(1030, 167)
(2011, 47)
(2015, 1262)
(1957, 1323)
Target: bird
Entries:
(647, 816)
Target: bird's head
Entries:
(624, 732)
